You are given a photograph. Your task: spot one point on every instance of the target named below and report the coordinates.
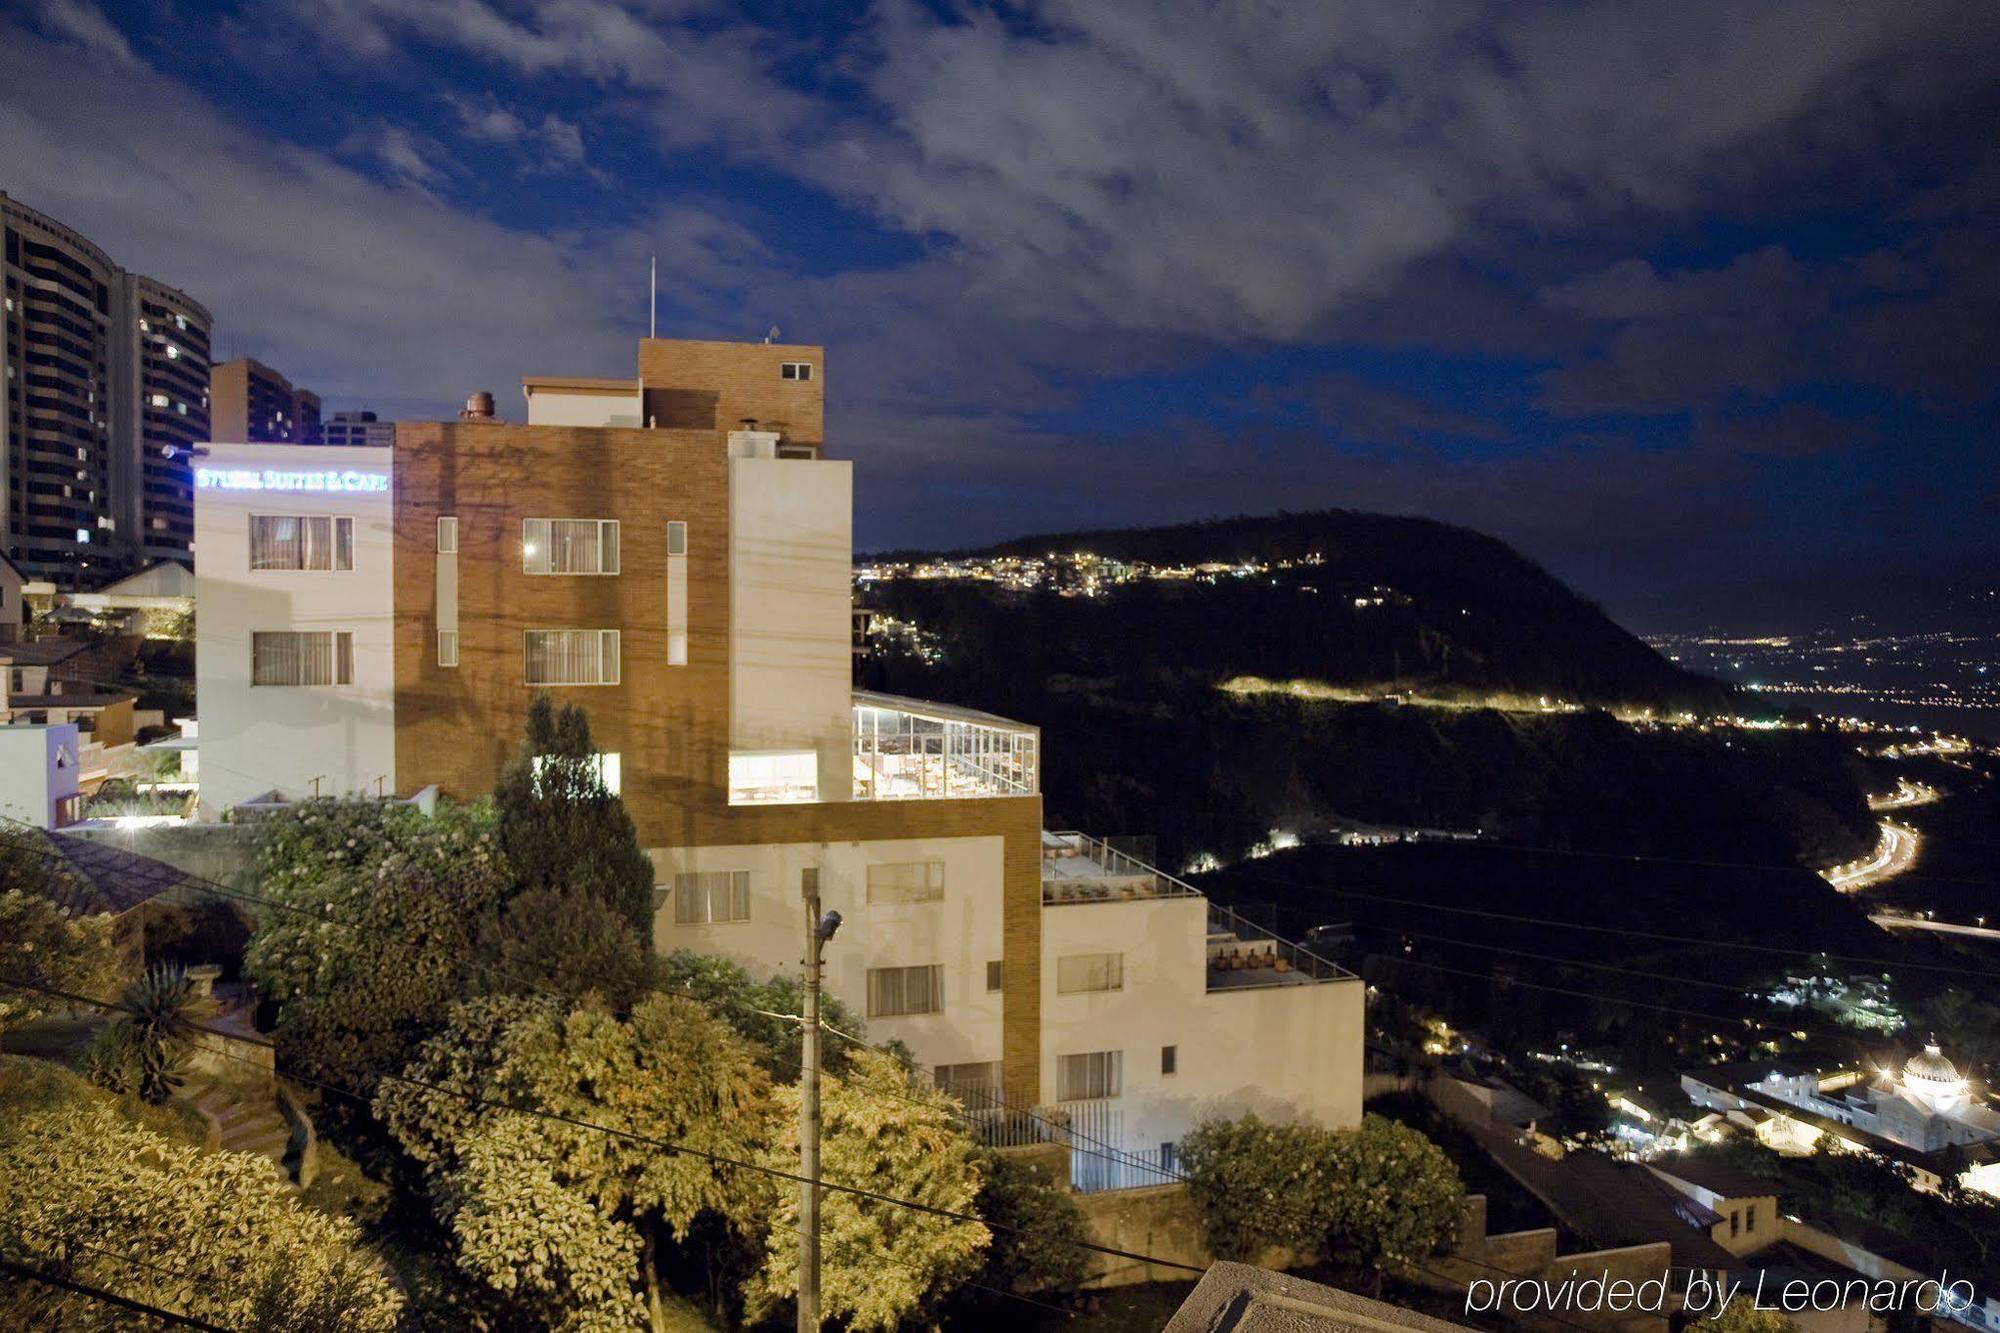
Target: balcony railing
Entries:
(1242, 955)
(1077, 868)
(911, 750)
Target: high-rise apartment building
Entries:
(253, 404)
(348, 429)
(107, 387)
(673, 553)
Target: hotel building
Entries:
(673, 552)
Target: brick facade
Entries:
(456, 727)
(715, 385)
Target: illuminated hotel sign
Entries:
(271, 479)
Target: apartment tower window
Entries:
(1090, 972)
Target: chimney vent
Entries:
(478, 407)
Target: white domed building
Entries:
(1928, 1106)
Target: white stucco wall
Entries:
(1284, 1052)
(583, 409)
(790, 631)
(256, 739)
(39, 766)
(962, 932)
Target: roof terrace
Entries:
(1079, 869)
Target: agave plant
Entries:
(146, 1052)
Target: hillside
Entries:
(1366, 600)
(1141, 737)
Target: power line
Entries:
(107, 1297)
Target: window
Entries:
(1090, 1076)
(569, 545)
(301, 657)
(301, 541)
(1170, 1058)
(1090, 971)
(1750, 1217)
(677, 538)
(603, 770)
(572, 657)
(677, 596)
(447, 647)
(707, 896)
(1169, 1157)
(1735, 1222)
(906, 882)
(995, 974)
(773, 777)
(795, 370)
(976, 1085)
(448, 536)
(905, 990)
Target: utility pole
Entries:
(819, 929)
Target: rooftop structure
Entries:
(252, 403)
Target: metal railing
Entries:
(1077, 868)
(1254, 956)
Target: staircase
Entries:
(243, 1119)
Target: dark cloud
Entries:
(1602, 212)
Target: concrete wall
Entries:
(790, 629)
(962, 932)
(39, 766)
(552, 408)
(1283, 1052)
(257, 739)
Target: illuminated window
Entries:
(906, 882)
(605, 770)
(447, 536)
(572, 657)
(708, 896)
(773, 777)
(1090, 1076)
(301, 657)
(897, 991)
(569, 545)
(301, 542)
(795, 370)
(1090, 972)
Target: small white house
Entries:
(40, 774)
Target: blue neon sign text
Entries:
(271, 479)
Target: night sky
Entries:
(1698, 304)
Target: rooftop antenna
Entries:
(772, 334)
(653, 298)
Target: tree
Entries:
(145, 1050)
(40, 947)
(88, 1194)
(566, 941)
(564, 1217)
(750, 1007)
(881, 1263)
(560, 826)
(381, 906)
(1260, 1185)
(1396, 1197)
(1380, 1196)
(1038, 1229)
